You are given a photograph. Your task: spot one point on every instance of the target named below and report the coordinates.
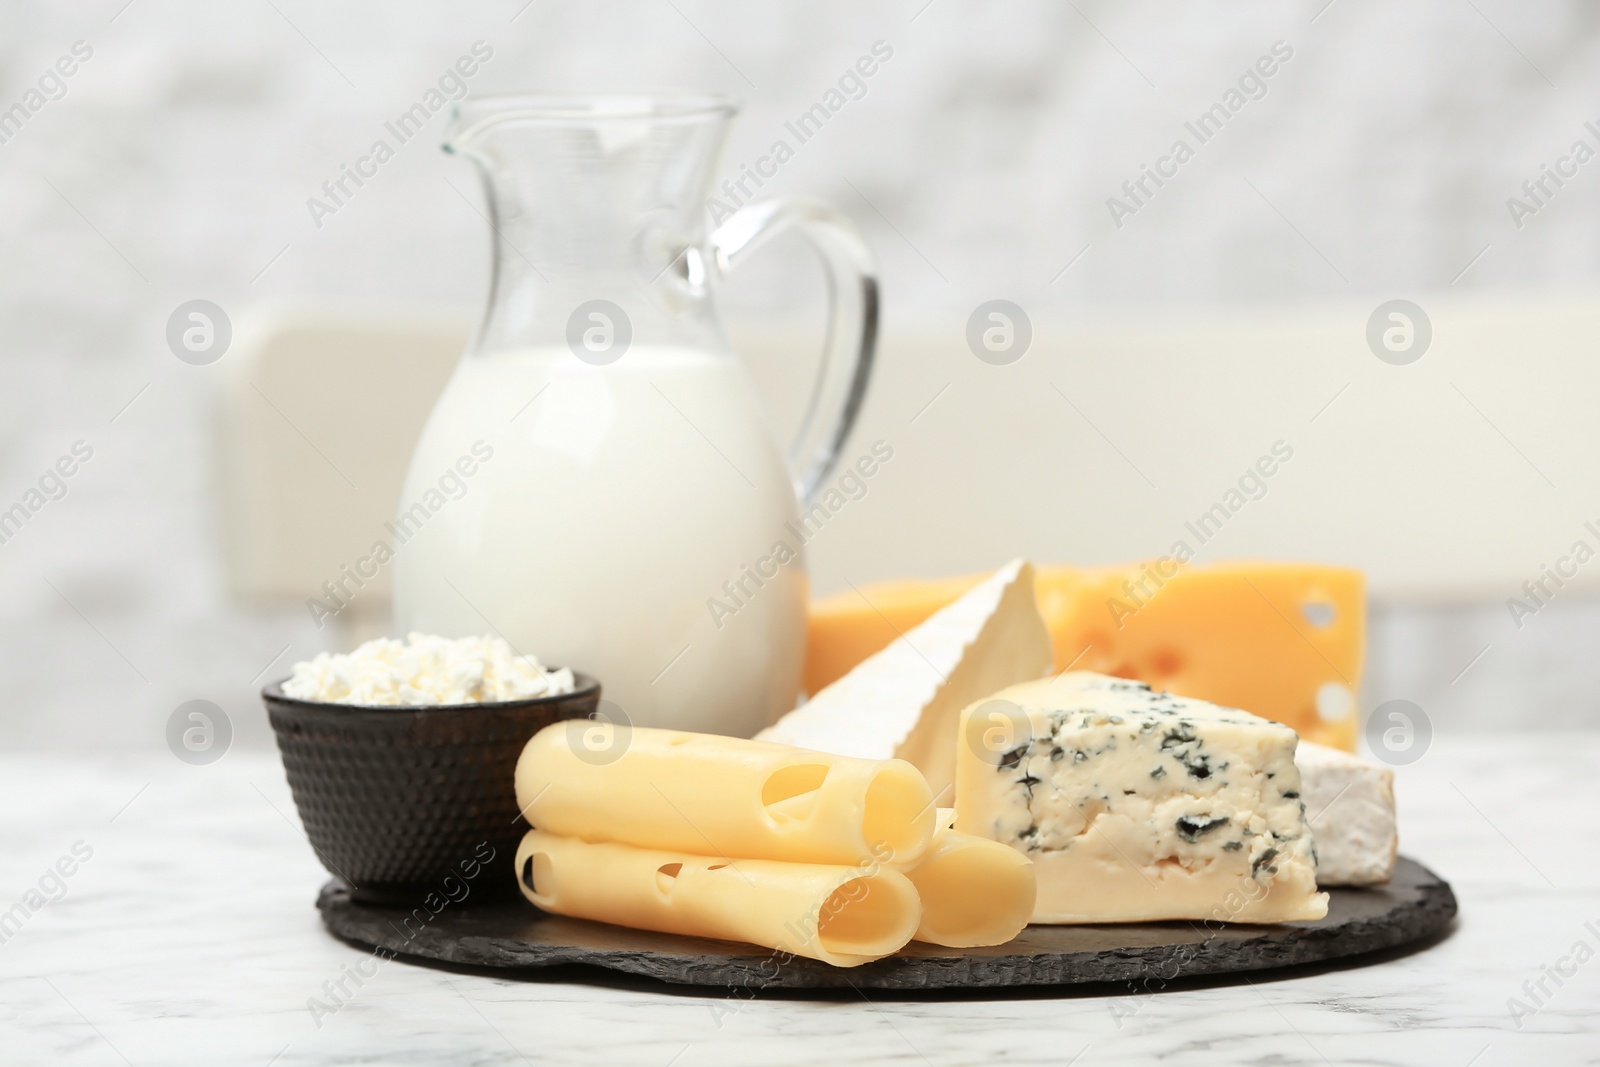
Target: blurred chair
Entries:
(318, 416)
(1433, 477)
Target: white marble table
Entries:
(189, 937)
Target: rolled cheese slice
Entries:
(974, 891)
(838, 914)
(722, 796)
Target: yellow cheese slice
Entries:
(974, 891)
(843, 915)
(721, 796)
(904, 701)
(1282, 640)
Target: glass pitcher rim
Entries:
(471, 117)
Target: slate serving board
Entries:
(1413, 907)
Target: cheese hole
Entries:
(791, 791)
(667, 876)
(1167, 662)
(681, 739)
(899, 812)
(1334, 702)
(537, 872)
(868, 916)
(716, 866)
(1318, 613)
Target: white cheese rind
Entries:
(905, 701)
(1350, 807)
(1139, 806)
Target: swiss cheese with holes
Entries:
(721, 796)
(1280, 640)
(843, 915)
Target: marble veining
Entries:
(188, 935)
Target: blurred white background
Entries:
(1376, 165)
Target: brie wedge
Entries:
(904, 702)
(1350, 806)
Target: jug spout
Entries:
(599, 198)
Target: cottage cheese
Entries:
(426, 670)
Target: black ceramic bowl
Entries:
(396, 800)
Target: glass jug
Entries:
(599, 483)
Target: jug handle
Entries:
(852, 320)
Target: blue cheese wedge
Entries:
(1139, 806)
(1350, 807)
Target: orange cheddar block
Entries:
(843, 629)
(1282, 640)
